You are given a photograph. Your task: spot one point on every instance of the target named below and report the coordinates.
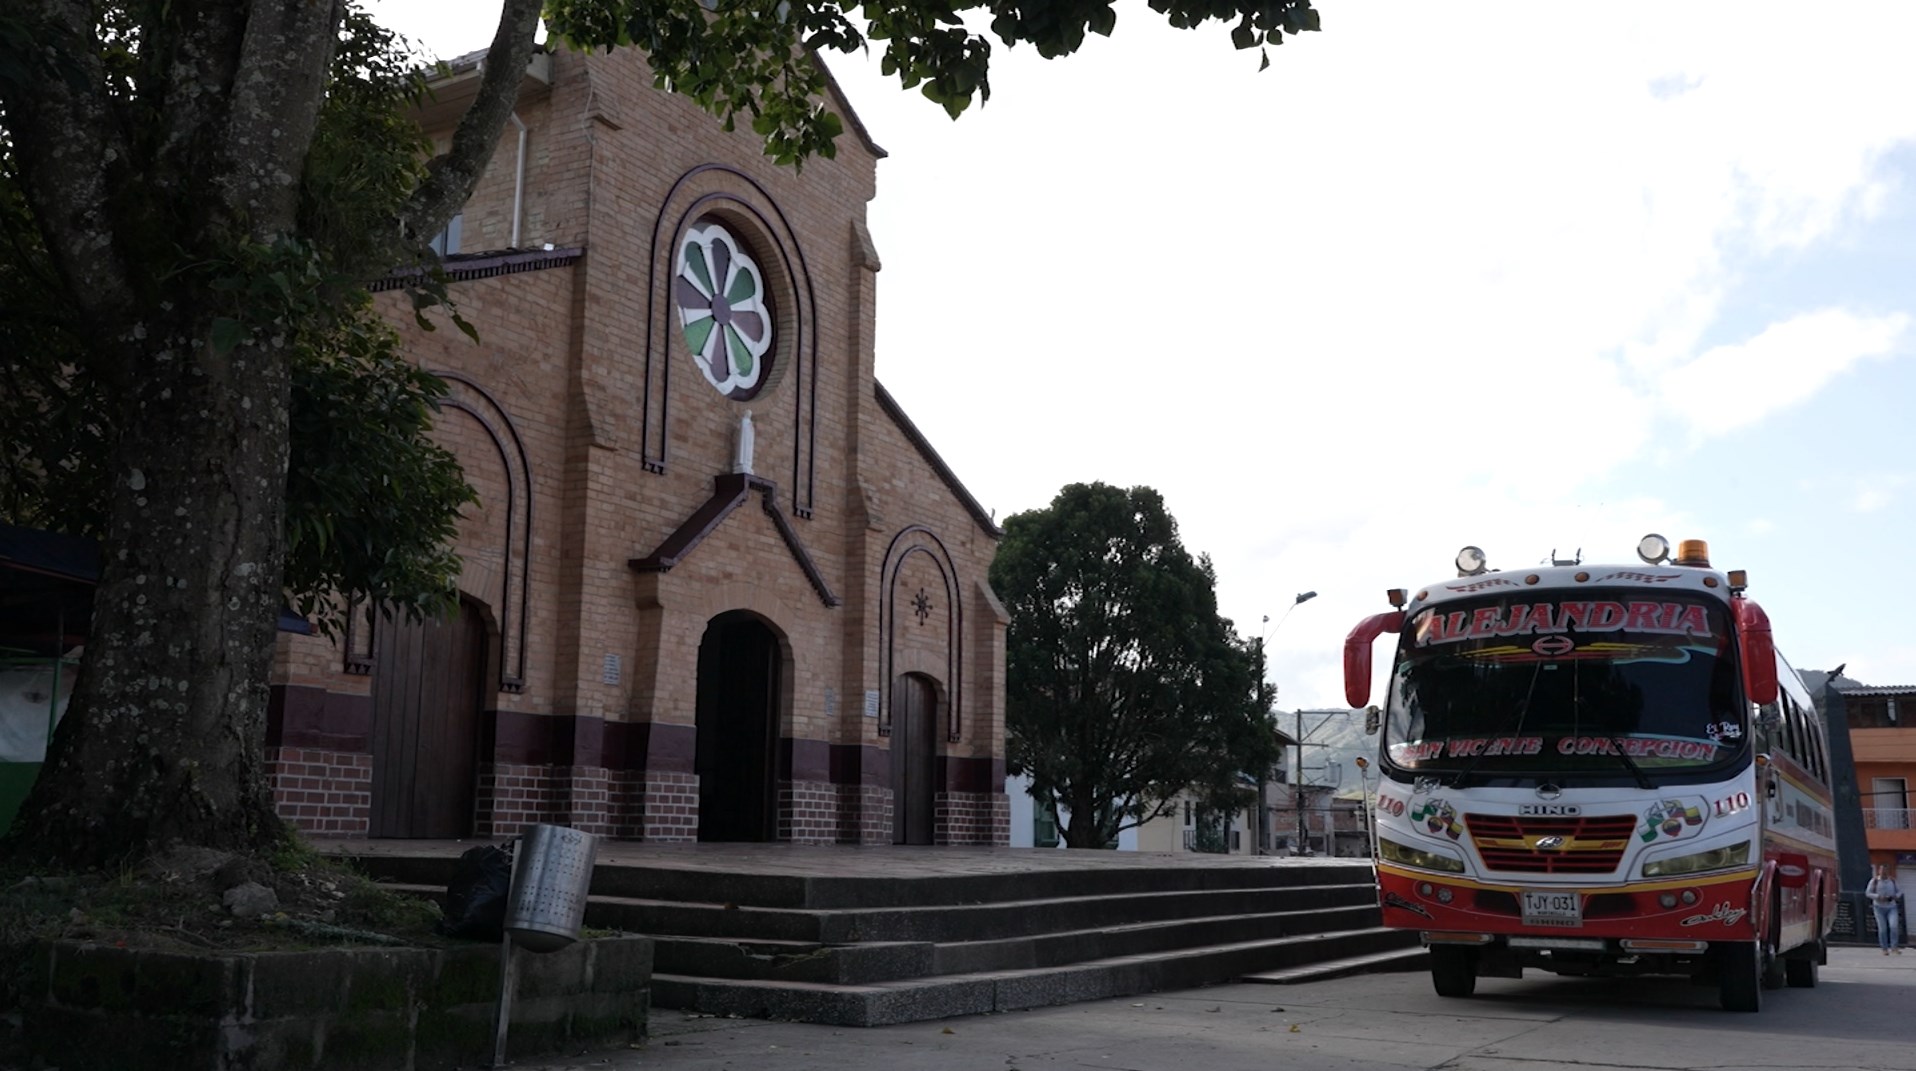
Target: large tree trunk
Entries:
(158, 210)
(168, 202)
(163, 739)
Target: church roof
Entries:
(917, 438)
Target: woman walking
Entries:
(1886, 897)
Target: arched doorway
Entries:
(738, 704)
(914, 758)
(428, 688)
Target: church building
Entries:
(717, 586)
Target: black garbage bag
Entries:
(476, 896)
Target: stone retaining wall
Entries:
(95, 1006)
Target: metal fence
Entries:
(1888, 818)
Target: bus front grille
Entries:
(1578, 845)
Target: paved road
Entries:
(1862, 1017)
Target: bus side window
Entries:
(1820, 745)
(1769, 719)
(1794, 721)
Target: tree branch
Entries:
(452, 175)
(279, 84)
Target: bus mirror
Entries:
(1759, 652)
(1357, 647)
(1373, 720)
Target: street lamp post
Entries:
(1262, 824)
(1303, 835)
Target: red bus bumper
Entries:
(1713, 907)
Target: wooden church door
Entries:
(914, 763)
(428, 681)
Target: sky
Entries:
(1537, 278)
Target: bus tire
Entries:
(1773, 970)
(1739, 975)
(1453, 970)
(1801, 972)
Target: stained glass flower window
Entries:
(723, 309)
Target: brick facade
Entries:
(322, 791)
(613, 539)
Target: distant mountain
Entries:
(1334, 738)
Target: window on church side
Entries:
(723, 309)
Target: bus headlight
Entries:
(1406, 855)
(1696, 862)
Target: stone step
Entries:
(1072, 946)
(793, 961)
(917, 1000)
(866, 963)
(1412, 958)
(964, 922)
(640, 881)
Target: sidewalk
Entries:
(1857, 1016)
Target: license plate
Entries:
(1552, 909)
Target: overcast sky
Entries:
(1532, 277)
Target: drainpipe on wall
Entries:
(518, 180)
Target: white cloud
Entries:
(1731, 387)
(1876, 491)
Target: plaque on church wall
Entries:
(1844, 928)
(871, 704)
(610, 673)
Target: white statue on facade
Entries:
(742, 458)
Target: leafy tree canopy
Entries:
(372, 502)
(734, 58)
(1123, 686)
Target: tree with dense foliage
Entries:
(210, 187)
(1123, 686)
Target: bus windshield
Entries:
(1603, 683)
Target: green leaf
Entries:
(227, 333)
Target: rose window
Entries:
(723, 310)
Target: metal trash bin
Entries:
(551, 875)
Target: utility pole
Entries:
(1303, 835)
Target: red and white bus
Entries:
(1599, 770)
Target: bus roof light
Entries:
(1693, 552)
(1396, 597)
(1653, 549)
(1471, 562)
(1739, 579)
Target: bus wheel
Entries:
(1802, 972)
(1453, 970)
(1772, 960)
(1772, 970)
(1739, 975)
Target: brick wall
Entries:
(510, 797)
(808, 812)
(670, 808)
(864, 814)
(973, 818)
(325, 792)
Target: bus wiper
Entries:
(1523, 711)
(1643, 779)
